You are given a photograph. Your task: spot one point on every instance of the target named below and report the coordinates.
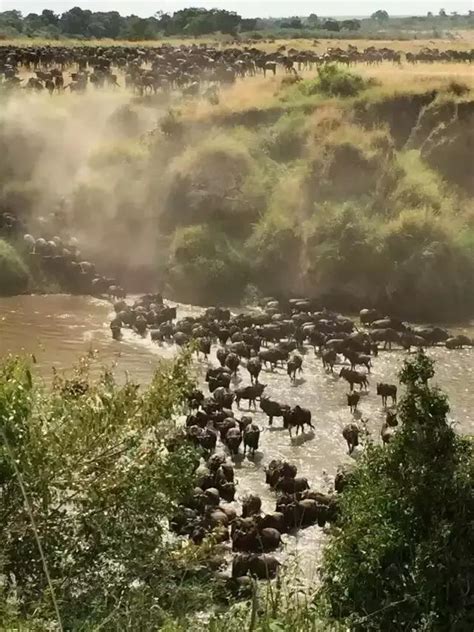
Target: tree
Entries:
(199, 25)
(12, 20)
(292, 23)
(248, 24)
(401, 557)
(182, 18)
(106, 24)
(312, 20)
(380, 15)
(225, 21)
(49, 18)
(75, 22)
(32, 22)
(350, 25)
(442, 13)
(136, 28)
(331, 25)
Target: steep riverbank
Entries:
(352, 193)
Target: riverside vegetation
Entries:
(341, 187)
(91, 472)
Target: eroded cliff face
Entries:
(441, 126)
(448, 146)
(399, 112)
(352, 202)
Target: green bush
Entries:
(401, 556)
(85, 472)
(342, 254)
(217, 180)
(205, 266)
(333, 81)
(347, 161)
(284, 141)
(273, 252)
(14, 275)
(419, 186)
(428, 257)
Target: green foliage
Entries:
(83, 23)
(193, 22)
(401, 555)
(215, 180)
(419, 185)
(285, 139)
(205, 266)
(273, 252)
(100, 486)
(374, 225)
(334, 81)
(427, 259)
(14, 276)
(342, 254)
(286, 605)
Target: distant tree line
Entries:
(193, 22)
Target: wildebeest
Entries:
(297, 417)
(272, 408)
(294, 364)
(351, 435)
(254, 367)
(386, 433)
(354, 377)
(251, 438)
(353, 399)
(386, 391)
(232, 362)
(329, 357)
(251, 393)
(356, 359)
(233, 440)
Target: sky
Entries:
(247, 8)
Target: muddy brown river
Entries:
(59, 329)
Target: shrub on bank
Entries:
(426, 256)
(342, 255)
(346, 161)
(86, 475)
(273, 253)
(205, 266)
(284, 141)
(14, 275)
(401, 556)
(217, 180)
(419, 186)
(334, 81)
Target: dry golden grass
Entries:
(415, 78)
(462, 40)
(259, 92)
(243, 95)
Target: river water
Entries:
(59, 329)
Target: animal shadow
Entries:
(302, 438)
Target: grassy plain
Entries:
(464, 40)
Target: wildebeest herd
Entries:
(59, 258)
(277, 335)
(193, 69)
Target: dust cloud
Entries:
(86, 157)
